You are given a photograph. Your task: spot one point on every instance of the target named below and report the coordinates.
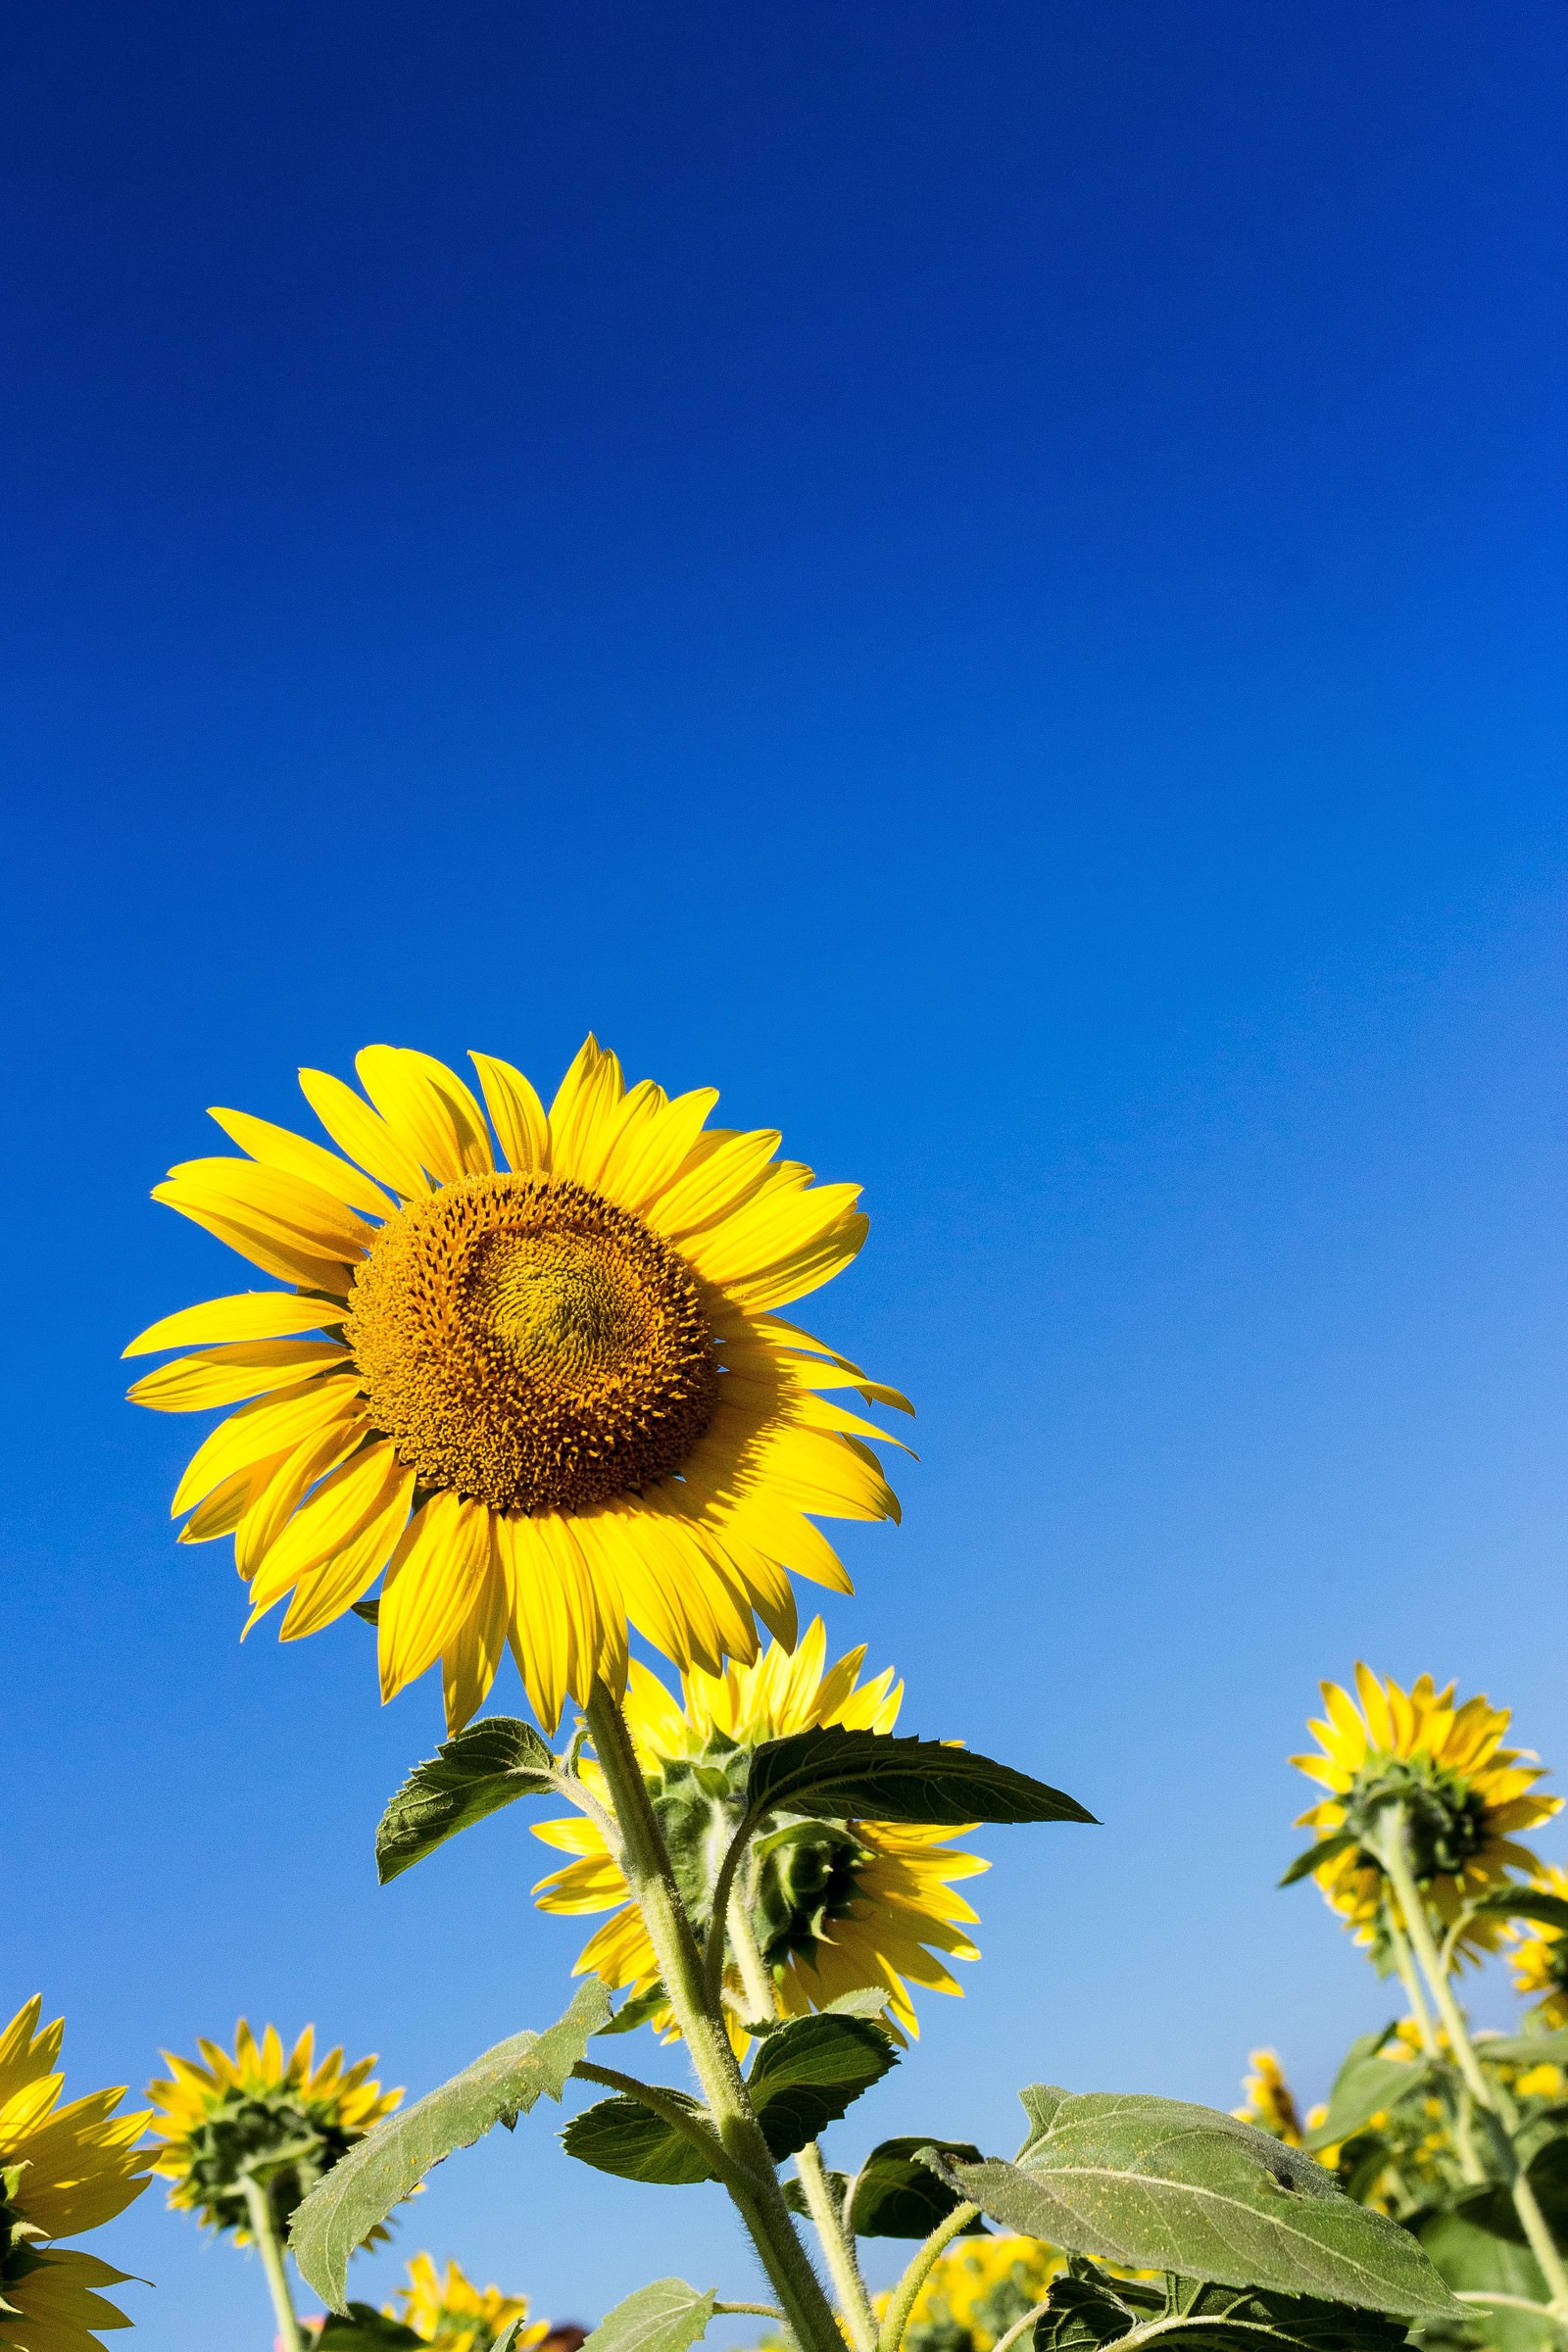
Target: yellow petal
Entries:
(193, 1383)
(468, 1664)
(714, 1181)
(278, 1496)
(661, 1147)
(276, 1202)
(323, 1594)
(429, 1107)
(436, 1577)
(795, 1277)
(225, 1507)
(261, 1428)
(351, 1122)
(340, 1509)
(279, 1147)
(251, 1315)
(515, 1114)
(260, 1244)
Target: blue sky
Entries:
(988, 580)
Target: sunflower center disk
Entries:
(525, 1344)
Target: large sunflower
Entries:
(61, 2169)
(553, 1394)
(834, 1906)
(453, 2315)
(1464, 1795)
(285, 2121)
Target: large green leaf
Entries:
(896, 2195)
(832, 1773)
(363, 2329)
(667, 2317)
(624, 2137)
(1524, 1902)
(810, 2073)
(1161, 2185)
(491, 1764)
(1371, 2086)
(1473, 2260)
(1087, 2311)
(384, 2168)
(1526, 2049)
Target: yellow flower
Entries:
(1270, 2102)
(1540, 1963)
(1464, 1793)
(455, 2315)
(975, 2290)
(834, 1906)
(62, 2170)
(552, 1395)
(284, 2121)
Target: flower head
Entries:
(1540, 1959)
(1465, 1796)
(453, 2315)
(62, 2170)
(833, 1905)
(545, 1389)
(257, 2116)
(1270, 2102)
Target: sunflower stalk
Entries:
(270, 2245)
(752, 2178)
(1394, 1852)
(902, 2301)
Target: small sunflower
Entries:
(546, 1392)
(1540, 1959)
(976, 2290)
(280, 2121)
(62, 2170)
(835, 1905)
(1270, 2100)
(453, 2315)
(1464, 1793)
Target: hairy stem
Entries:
(1395, 1854)
(902, 2300)
(1019, 2328)
(752, 2182)
(667, 2107)
(270, 2245)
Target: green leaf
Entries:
(637, 2011)
(667, 2317)
(1087, 2311)
(1476, 2262)
(389, 2163)
(1524, 1902)
(810, 2073)
(363, 2329)
(1040, 2101)
(1525, 2049)
(869, 2000)
(897, 2196)
(1158, 2184)
(624, 2137)
(491, 1764)
(1316, 1855)
(832, 1773)
(1369, 2087)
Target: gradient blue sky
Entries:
(988, 580)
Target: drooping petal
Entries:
(251, 1315)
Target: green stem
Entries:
(902, 2298)
(270, 2245)
(1394, 1856)
(760, 2311)
(753, 2182)
(1019, 2328)
(838, 2246)
(683, 2119)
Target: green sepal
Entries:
(389, 2163)
(637, 2011)
(1162, 2184)
(667, 2317)
(834, 1773)
(1523, 1902)
(1316, 1855)
(895, 2194)
(488, 1765)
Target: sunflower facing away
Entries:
(283, 2120)
(62, 2170)
(1465, 1795)
(835, 1905)
(1270, 2102)
(1540, 1961)
(453, 2315)
(547, 1390)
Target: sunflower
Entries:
(834, 1906)
(976, 2290)
(283, 2122)
(1540, 1961)
(454, 2314)
(1463, 1793)
(61, 2169)
(1270, 2100)
(547, 1397)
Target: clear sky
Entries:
(988, 580)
